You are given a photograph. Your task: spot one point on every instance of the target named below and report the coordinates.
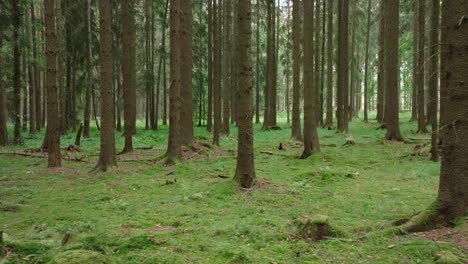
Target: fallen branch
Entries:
(145, 148)
(167, 173)
(24, 154)
(271, 153)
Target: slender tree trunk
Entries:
(24, 89)
(3, 108)
(268, 71)
(217, 70)
(288, 63)
(274, 68)
(381, 73)
(329, 118)
(226, 67)
(32, 86)
(53, 121)
(61, 60)
(366, 70)
(89, 73)
(245, 169)
(421, 67)
(37, 83)
(209, 120)
(414, 94)
(434, 79)
(107, 156)
(317, 61)
(311, 141)
(343, 73)
(322, 70)
(129, 72)
(257, 64)
(16, 72)
(296, 114)
(392, 14)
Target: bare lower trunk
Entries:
(296, 113)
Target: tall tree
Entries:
(311, 141)
(209, 120)
(434, 78)
(89, 73)
(296, 113)
(16, 16)
(217, 26)
(53, 122)
(129, 72)
(392, 9)
(37, 81)
(186, 114)
(3, 107)
(245, 169)
(421, 67)
(414, 89)
(381, 62)
(226, 66)
(343, 71)
(452, 201)
(31, 82)
(257, 63)
(366, 67)
(329, 115)
(107, 156)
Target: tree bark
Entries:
(381, 73)
(296, 113)
(186, 115)
(421, 67)
(392, 9)
(366, 70)
(31, 81)
(53, 121)
(414, 94)
(343, 72)
(3, 108)
(107, 156)
(217, 71)
(129, 72)
(89, 73)
(329, 117)
(209, 120)
(16, 72)
(226, 67)
(245, 169)
(434, 78)
(257, 64)
(311, 141)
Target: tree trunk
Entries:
(37, 83)
(317, 61)
(329, 118)
(186, 114)
(209, 120)
(434, 78)
(53, 121)
(392, 10)
(311, 142)
(3, 108)
(173, 149)
(16, 72)
(31, 81)
(381, 73)
(107, 156)
(257, 65)
(414, 89)
(245, 169)
(366, 70)
(217, 71)
(226, 67)
(268, 70)
(296, 112)
(129, 72)
(343, 72)
(288, 63)
(89, 73)
(421, 67)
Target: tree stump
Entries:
(314, 227)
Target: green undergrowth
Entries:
(130, 215)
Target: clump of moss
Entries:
(82, 256)
(446, 257)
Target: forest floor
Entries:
(130, 215)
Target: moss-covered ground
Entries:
(130, 215)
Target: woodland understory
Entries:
(189, 131)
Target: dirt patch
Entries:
(448, 235)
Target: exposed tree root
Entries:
(430, 219)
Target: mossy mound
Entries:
(446, 257)
(82, 257)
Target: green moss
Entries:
(447, 257)
(82, 257)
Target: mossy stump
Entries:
(314, 227)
